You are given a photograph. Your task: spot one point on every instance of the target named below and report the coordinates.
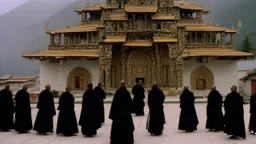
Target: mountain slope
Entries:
(32, 36)
(243, 11)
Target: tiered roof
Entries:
(78, 28)
(141, 9)
(187, 5)
(63, 53)
(219, 52)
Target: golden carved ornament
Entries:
(83, 75)
(197, 74)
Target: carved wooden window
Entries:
(119, 5)
(199, 37)
(159, 27)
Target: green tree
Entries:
(247, 45)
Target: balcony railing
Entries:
(73, 47)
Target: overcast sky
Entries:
(7, 5)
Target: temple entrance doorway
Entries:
(139, 67)
(202, 78)
(79, 78)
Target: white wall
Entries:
(50, 74)
(224, 71)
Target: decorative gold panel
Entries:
(84, 78)
(197, 74)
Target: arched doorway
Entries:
(140, 64)
(78, 78)
(202, 78)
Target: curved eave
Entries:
(57, 54)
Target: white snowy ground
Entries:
(171, 134)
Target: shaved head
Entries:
(7, 87)
(25, 87)
(213, 87)
(68, 89)
(122, 83)
(186, 87)
(48, 87)
(234, 88)
(155, 84)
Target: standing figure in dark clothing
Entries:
(46, 111)
(6, 109)
(67, 123)
(156, 118)
(234, 114)
(23, 118)
(215, 120)
(252, 124)
(188, 118)
(89, 118)
(120, 113)
(138, 99)
(101, 96)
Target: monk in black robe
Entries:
(67, 123)
(188, 118)
(23, 118)
(101, 96)
(215, 120)
(234, 114)
(89, 118)
(252, 124)
(46, 111)
(6, 109)
(138, 99)
(120, 113)
(156, 118)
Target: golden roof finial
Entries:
(240, 24)
(233, 27)
(194, 1)
(210, 22)
(67, 26)
(37, 49)
(87, 5)
(21, 51)
(209, 7)
(75, 8)
(93, 4)
(46, 27)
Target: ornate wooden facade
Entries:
(143, 40)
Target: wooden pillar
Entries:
(232, 40)
(108, 61)
(92, 40)
(87, 38)
(196, 38)
(65, 39)
(101, 64)
(123, 63)
(158, 66)
(190, 37)
(204, 38)
(133, 15)
(146, 22)
(210, 38)
(51, 39)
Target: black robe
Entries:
(6, 110)
(214, 113)
(101, 96)
(156, 118)
(234, 115)
(138, 99)
(188, 118)
(67, 123)
(46, 111)
(252, 124)
(23, 119)
(120, 113)
(89, 118)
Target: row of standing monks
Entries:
(92, 113)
